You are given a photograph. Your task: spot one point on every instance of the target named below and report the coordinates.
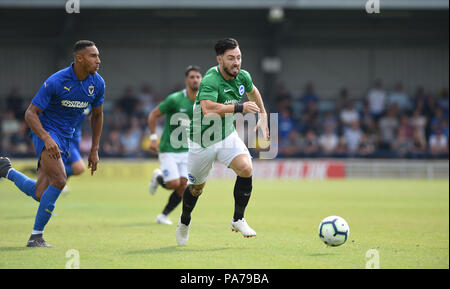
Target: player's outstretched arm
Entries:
(151, 120)
(255, 96)
(32, 119)
(96, 125)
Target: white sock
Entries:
(36, 232)
(7, 174)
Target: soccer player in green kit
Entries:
(218, 97)
(173, 146)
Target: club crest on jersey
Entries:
(241, 89)
(91, 90)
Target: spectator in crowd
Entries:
(419, 147)
(341, 149)
(309, 95)
(286, 124)
(85, 143)
(15, 103)
(443, 101)
(311, 117)
(145, 98)
(400, 97)
(366, 119)
(117, 118)
(405, 124)
(328, 141)
(402, 145)
(388, 125)
(437, 119)
(353, 137)
(9, 126)
(310, 144)
(128, 101)
(342, 99)
(112, 147)
(349, 114)
(424, 102)
(19, 144)
(329, 121)
(444, 127)
(438, 144)
(419, 97)
(290, 146)
(131, 139)
(377, 99)
(283, 98)
(419, 123)
(366, 147)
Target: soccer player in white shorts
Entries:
(219, 94)
(173, 158)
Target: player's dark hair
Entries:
(192, 68)
(82, 44)
(225, 44)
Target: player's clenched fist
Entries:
(250, 107)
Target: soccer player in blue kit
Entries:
(52, 115)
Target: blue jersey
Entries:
(63, 99)
(79, 125)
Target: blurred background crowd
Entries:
(386, 122)
(345, 82)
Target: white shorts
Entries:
(200, 160)
(173, 165)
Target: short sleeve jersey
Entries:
(63, 99)
(216, 88)
(178, 110)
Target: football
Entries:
(334, 231)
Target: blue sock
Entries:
(24, 183)
(69, 170)
(46, 207)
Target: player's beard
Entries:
(227, 71)
(193, 87)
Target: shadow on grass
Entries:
(320, 254)
(18, 217)
(176, 249)
(13, 249)
(149, 224)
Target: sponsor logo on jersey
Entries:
(231, 101)
(75, 103)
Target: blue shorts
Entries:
(62, 142)
(74, 153)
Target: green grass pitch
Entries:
(110, 221)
